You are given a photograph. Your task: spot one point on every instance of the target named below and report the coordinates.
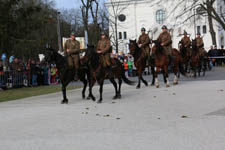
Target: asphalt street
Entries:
(188, 116)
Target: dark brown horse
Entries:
(196, 61)
(100, 73)
(140, 62)
(162, 63)
(66, 74)
(185, 53)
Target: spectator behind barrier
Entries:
(1, 66)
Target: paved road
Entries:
(190, 116)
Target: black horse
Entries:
(66, 74)
(100, 73)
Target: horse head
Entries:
(91, 55)
(133, 47)
(157, 48)
(49, 55)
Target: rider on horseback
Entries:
(186, 43)
(200, 44)
(143, 43)
(166, 42)
(104, 49)
(71, 51)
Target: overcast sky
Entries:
(67, 4)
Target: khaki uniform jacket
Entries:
(165, 38)
(73, 55)
(145, 41)
(104, 46)
(186, 41)
(200, 44)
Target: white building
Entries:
(152, 14)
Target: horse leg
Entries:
(175, 71)
(164, 76)
(91, 84)
(167, 76)
(153, 75)
(144, 81)
(64, 85)
(115, 87)
(139, 79)
(119, 91)
(156, 77)
(100, 90)
(85, 86)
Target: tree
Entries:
(116, 8)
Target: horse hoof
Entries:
(99, 101)
(157, 86)
(93, 98)
(167, 86)
(83, 96)
(88, 98)
(64, 101)
(138, 87)
(115, 97)
(119, 96)
(175, 83)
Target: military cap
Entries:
(164, 27)
(143, 29)
(72, 34)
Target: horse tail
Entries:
(125, 79)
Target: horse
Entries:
(186, 55)
(140, 63)
(162, 62)
(99, 73)
(197, 60)
(66, 74)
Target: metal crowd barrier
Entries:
(10, 79)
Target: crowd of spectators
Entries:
(216, 55)
(30, 73)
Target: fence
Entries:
(10, 79)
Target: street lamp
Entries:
(59, 32)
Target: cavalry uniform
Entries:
(73, 54)
(145, 41)
(165, 38)
(187, 43)
(200, 45)
(104, 46)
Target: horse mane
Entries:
(92, 55)
(159, 48)
(59, 60)
(137, 50)
(183, 50)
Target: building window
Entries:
(199, 29)
(124, 35)
(204, 29)
(160, 16)
(120, 35)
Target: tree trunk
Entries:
(211, 30)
